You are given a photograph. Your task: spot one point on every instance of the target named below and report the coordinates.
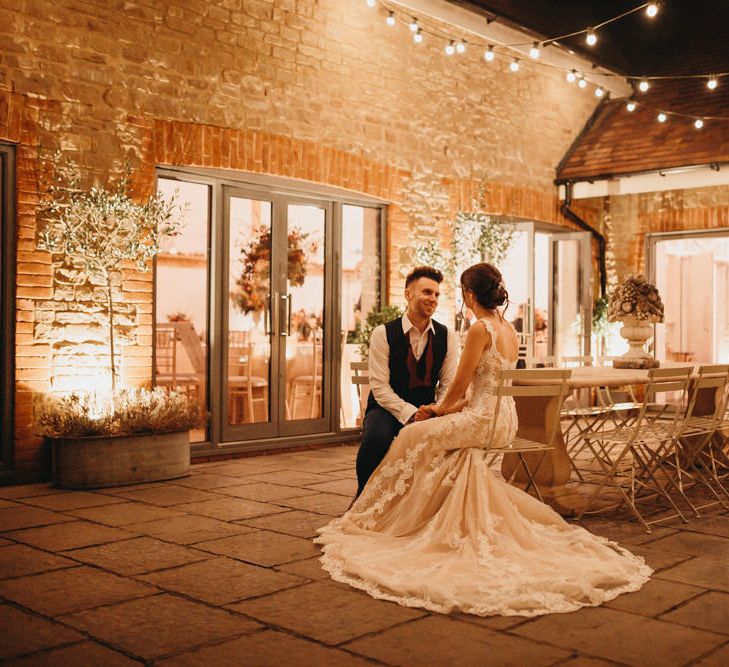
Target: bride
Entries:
(435, 528)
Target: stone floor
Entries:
(219, 569)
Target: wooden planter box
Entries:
(91, 463)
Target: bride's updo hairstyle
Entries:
(486, 283)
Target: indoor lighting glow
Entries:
(414, 25)
(651, 9)
(514, 66)
(591, 37)
(662, 117)
(630, 106)
(534, 51)
(582, 83)
(712, 83)
(418, 36)
(390, 20)
(599, 92)
(461, 47)
(644, 85)
(450, 49)
(572, 76)
(698, 123)
(370, 3)
(489, 53)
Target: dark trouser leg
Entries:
(378, 432)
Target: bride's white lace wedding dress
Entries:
(435, 528)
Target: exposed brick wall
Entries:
(626, 219)
(320, 90)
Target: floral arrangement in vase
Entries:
(635, 298)
(253, 286)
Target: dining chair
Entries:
(306, 387)
(168, 338)
(546, 361)
(629, 457)
(361, 381)
(246, 388)
(531, 453)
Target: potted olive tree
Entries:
(124, 436)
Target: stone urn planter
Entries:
(637, 333)
(98, 462)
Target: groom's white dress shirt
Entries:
(379, 367)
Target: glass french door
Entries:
(570, 289)
(277, 329)
(547, 274)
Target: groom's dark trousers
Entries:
(412, 380)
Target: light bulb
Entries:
(599, 92)
(572, 76)
(644, 85)
(651, 9)
(461, 47)
(514, 66)
(582, 83)
(489, 54)
(698, 123)
(413, 25)
(630, 106)
(712, 83)
(591, 37)
(534, 51)
(662, 117)
(390, 20)
(370, 3)
(418, 36)
(450, 49)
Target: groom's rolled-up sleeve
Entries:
(450, 364)
(379, 371)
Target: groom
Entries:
(409, 358)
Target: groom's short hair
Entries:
(423, 272)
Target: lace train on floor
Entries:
(441, 531)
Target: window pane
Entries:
(181, 336)
(360, 294)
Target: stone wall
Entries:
(320, 90)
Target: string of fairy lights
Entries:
(519, 53)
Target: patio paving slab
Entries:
(71, 500)
(22, 633)
(694, 544)
(298, 523)
(332, 504)
(168, 495)
(262, 548)
(221, 581)
(15, 518)
(18, 560)
(70, 535)
(711, 525)
(310, 569)
(71, 590)
(228, 508)
(656, 557)
(188, 529)
(475, 646)
(656, 597)
(327, 613)
(344, 487)
(82, 654)
(136, 556)
(718, 658)
(267, 649)
(705, 571)
(265, 492)
(204, 481)
(26, 490)
(291, 478)
(125, 513)
(151, 627)
(708, 612)
(622, 637)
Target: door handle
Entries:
(267, 316)
(286, 329)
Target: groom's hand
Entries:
(424, 412)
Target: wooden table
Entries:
(536, 414)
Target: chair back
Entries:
(711, 377)
(546, 383)
(666, 401)
(240, 356)
(576, 361)
(165, 350)
(548, 361)
(360, 380)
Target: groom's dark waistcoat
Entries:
(414, 380)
